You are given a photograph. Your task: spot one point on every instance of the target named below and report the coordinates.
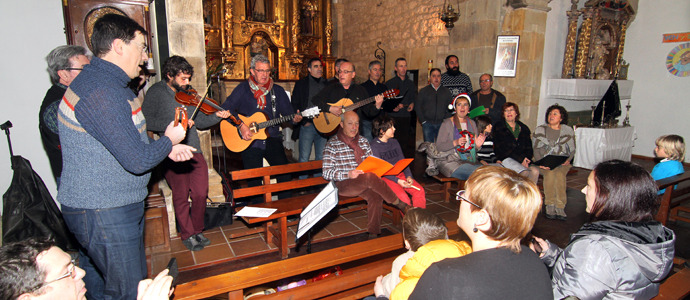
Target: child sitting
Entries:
(385, 147)
(672, 149)
(484, 140)
(426, 238)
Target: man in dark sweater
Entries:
(406, 127)
(64, 64)
(373, 87)
(491, 99)
(107, 160)
(189, 179)
(305, 89)
(432, 106)
(455, 80)
(345, 88)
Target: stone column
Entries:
(186, 39)
(529, 22)
(571, 40)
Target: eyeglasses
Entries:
(485, 80)
(460, 196)
(345, 72)
(74, 69)
(262, 71)
(70, 273)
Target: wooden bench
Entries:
(671, 200)
(447, 183)
(277, 233)
(676, 286)
(371, 259)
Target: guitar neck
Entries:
(359, 104)
(275, 122)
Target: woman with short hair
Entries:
(555, 138)
(623, 252)
(497, 210)
(513, 143)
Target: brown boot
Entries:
(402, 206)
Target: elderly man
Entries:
(108, 158)
(187, 180)
(34, 269)
(305, 89)
(457, 82)
(491, 99)
(432, 106)
(405, 127)
(343, 153)
(64, 64)
(260, 94)
(373, 87)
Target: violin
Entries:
(192, 98)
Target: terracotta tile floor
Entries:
(223, 248)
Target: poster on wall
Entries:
(506, 55)
(678, 60)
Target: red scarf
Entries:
(353, 143)
(260, 91)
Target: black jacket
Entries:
(505, 144)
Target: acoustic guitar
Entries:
(327, 122)
(257, 124)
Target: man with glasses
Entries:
(344, 88)
(491, 99)
(373, 87)
(37, 269)
(64, 64)
(107, 159)
(260, 94)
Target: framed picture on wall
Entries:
(505, 64)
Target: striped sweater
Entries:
(107, 156)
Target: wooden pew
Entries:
(376, 257)
(672, 199)
(277, 233)
(447, 183)
(676, 286)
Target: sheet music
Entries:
(324, 202)
(255, 212)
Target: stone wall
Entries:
(412, 29)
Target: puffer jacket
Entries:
(426, 255)
(612, 260)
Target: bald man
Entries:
(343, 153)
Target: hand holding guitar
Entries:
(336, 110)
(379, 101)
(246, 133)
(297, 118)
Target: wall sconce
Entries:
(448, 15)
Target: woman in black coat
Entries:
(513, 143)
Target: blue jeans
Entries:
(308, 135)
(430, 131)
(465, 170)
(112, 243)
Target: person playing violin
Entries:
(186, 179)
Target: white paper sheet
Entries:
(255, 212)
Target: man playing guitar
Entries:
(259, 94)
(346, 88)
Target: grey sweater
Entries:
(159, 110)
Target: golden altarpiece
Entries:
(596, 50)
(288, 32)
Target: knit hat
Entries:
(464, 95)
